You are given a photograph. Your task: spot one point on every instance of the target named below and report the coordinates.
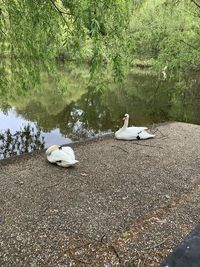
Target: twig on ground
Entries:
(52, 185)
(78, 260)
(102, 238)
(121, 148)
(147, 145)
(116, 253)
(159, 244)
(157, 130)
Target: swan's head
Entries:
(126, 116)
(51, 149)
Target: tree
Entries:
(105, 34)
(169, 32)
(33, 31)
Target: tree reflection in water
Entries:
(70, 109)
(27, 139)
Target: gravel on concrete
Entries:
(124, 202)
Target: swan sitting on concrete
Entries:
(62, 156)
(132, 133)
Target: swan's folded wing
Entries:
(129, 133)
(57, 155)
(69, 152)
(143, 128)
(137, 129)
(146, 135)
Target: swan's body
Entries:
(62, 156)
(132, 133)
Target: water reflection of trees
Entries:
(81, 112)
(89, 116)
(186, 107)
(25, 140)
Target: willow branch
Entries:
(190, 45)
(58, 9)
(62, 13)
(197, 4)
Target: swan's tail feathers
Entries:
(71, 162)
(145, 135)
(143, 128)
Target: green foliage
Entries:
(107, 35)
(168, 31)
(33, 31)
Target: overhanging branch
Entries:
(62, 13)
(190, 45)
(197, 4)
(58, 9)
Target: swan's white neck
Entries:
(125, 123)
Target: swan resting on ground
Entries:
(62, 156)
(132, 133)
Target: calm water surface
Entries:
(51, 116)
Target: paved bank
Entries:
(124, 201)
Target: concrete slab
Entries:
(126, 201)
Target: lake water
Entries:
(40, 118)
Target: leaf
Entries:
(125, 234)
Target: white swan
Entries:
(62, 156)
(132, 133)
